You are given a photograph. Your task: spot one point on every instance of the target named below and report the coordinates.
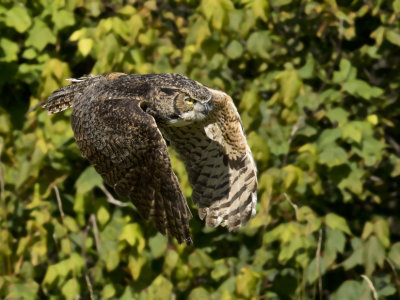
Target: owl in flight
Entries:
(119, 122)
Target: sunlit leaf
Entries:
(103, 215)
(335, 221)
(246, 282)
(10, 50)
(85, 46)
(393, 36)
(63, 19)
(40, 36)
(71, 289)
(132, 234)
(161, 288)
(216, 11)
(18, 17)
(108, 292)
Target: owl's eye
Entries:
(189, 100)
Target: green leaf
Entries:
(132, 234)
(221, 269)
(246, 282)
(216, 11)
(371, 150)
(40, 36)
(260, 8)
(328, 137)
(357, 87)
(158, 245)
(10, 50)
(381, 229)
(312, 273)
(71, 289)
(352, 290)
(112, 260)
(338, 115)
(290, 84)
(332, 155)
(27, 290)
(335, 241)
(374, 254)
(378, 35)
(346, 72)
(234, 50)
(292, 176)
(62, 19)
(288, 250)
(199, 259)
(396, 6)
(135, 265)
(29, 53)
(103, 215)
(170, 262)
(108, 292)
(88, 180)
(337, 222)
(17, 17)
(259, 44)
(393, 36)
(161, 288)
(199, 293)
(356, 258)
(85, 46)
(394, 254)
(278, 3)
(352, 131)
(127, 295)
(367, 231)
(307, 71)
(354, 181)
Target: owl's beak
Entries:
(204, 108)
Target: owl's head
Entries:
(178, 100)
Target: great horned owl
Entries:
(119, 121)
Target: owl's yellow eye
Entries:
(189, 100)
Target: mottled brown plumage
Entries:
(118, 121)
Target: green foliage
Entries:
(316, 84)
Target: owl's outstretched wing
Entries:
(219, 164)
(126, 148)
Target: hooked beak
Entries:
(204, 108)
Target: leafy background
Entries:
(316, 84)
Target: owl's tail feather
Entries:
(64, 97)
(165, 205)
(176, 213)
